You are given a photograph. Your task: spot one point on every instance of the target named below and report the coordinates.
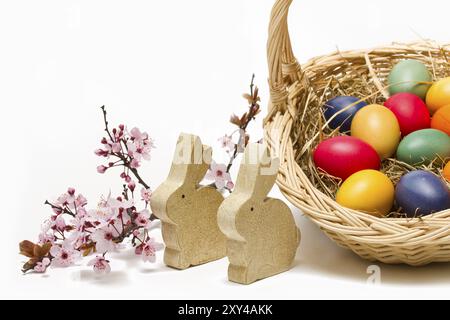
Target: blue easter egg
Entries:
(343, 121)
(420, 193)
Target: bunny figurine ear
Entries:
(191, 160)
(258, 171)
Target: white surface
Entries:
(168, 66)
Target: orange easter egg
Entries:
(446, 172)
(441, 119)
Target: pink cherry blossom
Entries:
(44, 238)
(137, 135)
(132, 186)
(100, 264)
(58, 223)
(136, 233)
(140, 145)
(115, 204)
(143, 219)
(101, 169)
(113, 147)
(138, 250)
(46, 225)
(149, 249)
(80, 201)
(62, 200)
(81, 212)
(78, 235)
(71, 192)
(135, 164)
(218, 173)
(101, 153)
(46, 235)
(227, 143)
(41, 267)
(108, 211)
(230, 185)
(146, 194)
(104, 239)
(125, 177)
(66, 199)
(64, 255)
(139, 150)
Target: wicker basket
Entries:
(295, 92)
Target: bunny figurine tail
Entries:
(262, 235)
(188, 211)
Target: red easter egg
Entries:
(411, 112)
(343, 156)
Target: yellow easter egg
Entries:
(378, 126)
(369, 190)
(438, 95)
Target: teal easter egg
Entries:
(406, 77)
(424, 146)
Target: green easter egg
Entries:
(422, 147)
(405, 76)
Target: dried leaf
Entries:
(87, 252)
(30, 265)
(234, 119)
(42, 251)
(27, 248)
(256, 97)
(244, 118)
(248, 97)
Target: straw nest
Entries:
(295, 125)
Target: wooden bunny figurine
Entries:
(262, 235)
(188, 212)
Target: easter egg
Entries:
(411, 112)
(341, 110)
(369, 191)
(424, 146)
(446, 172)
(421, 193)
(407, 76)
(378, 126)
(438, 95)
(343, 156)
(441, 119)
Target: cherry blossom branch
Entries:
(254, 109)
(220, 173)
(73, 231)
(126, 161)
(63, 210)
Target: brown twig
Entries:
(253, 111)
(63, 210)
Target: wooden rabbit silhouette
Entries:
(262, 235)
(188, 212)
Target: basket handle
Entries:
(281, 58)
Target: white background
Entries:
(167, 67)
